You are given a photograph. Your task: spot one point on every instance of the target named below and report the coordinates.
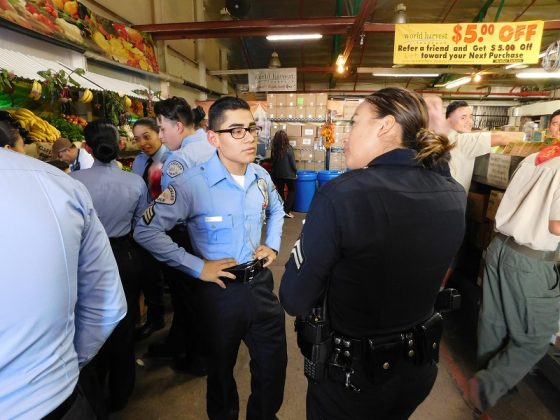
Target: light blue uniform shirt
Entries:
(119, 197)
(139, 164)
(60, 290)
(223, 219)
(195, 150)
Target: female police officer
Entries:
(379, 239)
(119, 199)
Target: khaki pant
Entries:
(519, 313)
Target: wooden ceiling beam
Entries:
(357, 28)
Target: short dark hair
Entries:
(453, 106)
(554, 114)
(11, 120)
(8, 134)
(103, 138)
(148, 122)
(176, 109)
(199, 115)
(219, 108)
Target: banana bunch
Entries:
(87, 96)
(36, 90)
(39, 129)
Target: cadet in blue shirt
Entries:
(224, 203)
(148, 164)
(60, 290)
(120, 199)
(189, 147)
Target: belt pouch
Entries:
(315, 342)
(381, 357)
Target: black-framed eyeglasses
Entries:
(239, 133)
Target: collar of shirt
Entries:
(404, 157)
(198, 135)
(159, 155)
(216, 172)
(112, 164)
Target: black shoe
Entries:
(148, 329)
(160, 349)
(192, 365)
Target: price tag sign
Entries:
(468, 43)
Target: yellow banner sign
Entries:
(468, 43)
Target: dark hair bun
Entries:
(432, 148)
(106, 152)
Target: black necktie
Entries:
(145, 174)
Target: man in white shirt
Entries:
(67, 151)
(520, 308)
(468, 144)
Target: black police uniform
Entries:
(381, 239)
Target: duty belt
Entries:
(529, 252)
(245, 273)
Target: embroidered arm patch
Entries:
(149, 214)
(174, 168)
(169, 196)
(297, 253)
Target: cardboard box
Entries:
(281, 99)
(281, 112)
(271, 99)
(476, 206)
(310, 111)
(293, 143)
(309, 130)
(315, 166)
(294, 130)
(337, 161)
(310, 99)
(300, 99)
(523, 148)
(321, 112)
(494, 201)
(319, 156)
(303, 142)
(342, 128)
(307, 155)
(291, 99)
(291, 111)
(495, 169)
(349, 109)
(300, 166)
(321, 99)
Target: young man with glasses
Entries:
(224, 203)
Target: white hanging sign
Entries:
(273, 80)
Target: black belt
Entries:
(246, 272)
(529, 252)
(60, 411)
(121, 239)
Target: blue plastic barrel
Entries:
(326, 176)
(306, 184)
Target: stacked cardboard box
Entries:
(297, 105)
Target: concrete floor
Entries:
(160, 393)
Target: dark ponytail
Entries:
(103, 138)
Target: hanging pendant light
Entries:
(274, 62)
(400, 14)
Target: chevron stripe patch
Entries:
(297, 252)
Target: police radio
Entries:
(314, 338)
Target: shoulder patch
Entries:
(149, 214)
(169, 196)
(175, 168)
(297, 253)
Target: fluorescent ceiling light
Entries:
(536, 74)
(293, 37)
(406, 74)
(458, 82)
